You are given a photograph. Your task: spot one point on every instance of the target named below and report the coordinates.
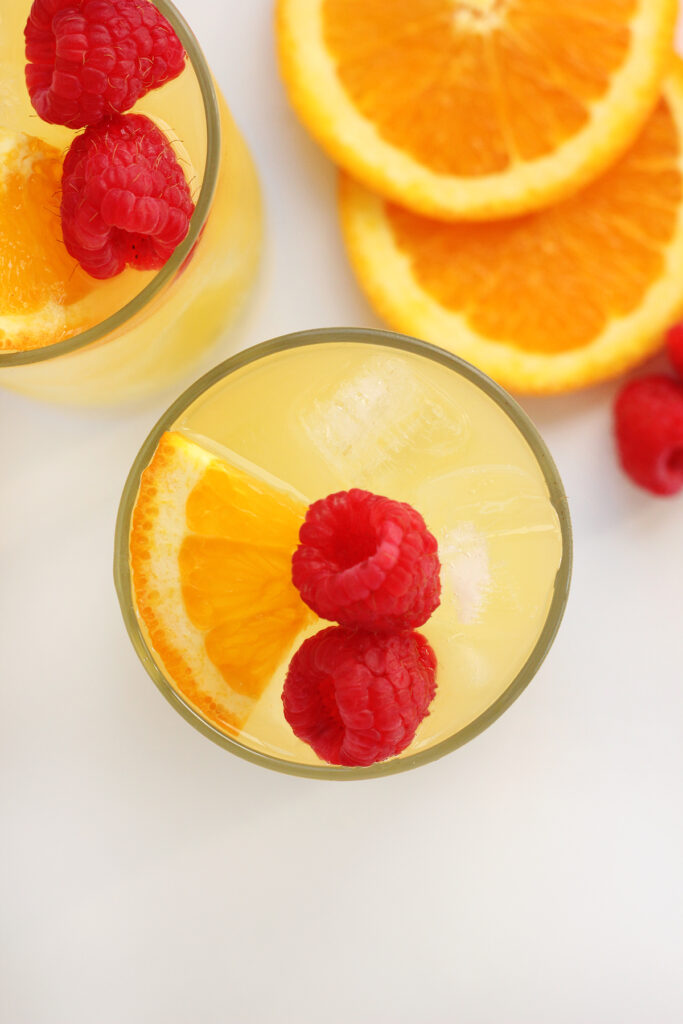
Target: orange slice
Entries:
(551, 301)
(40, 284)
(210, 549)
(474, 109)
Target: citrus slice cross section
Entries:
(554, 300)
(210, 549)
(41, 286)
(474, 109)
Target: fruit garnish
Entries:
(210, 553)
(674, 347)
(125, 199)
(89, 59)
(365, 560)
(41, 286)
(473, 109)
(551, 301)
(357, 697)
(648, 423)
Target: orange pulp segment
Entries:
(553, 300)
(210, 550)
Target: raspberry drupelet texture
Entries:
(649, 433)
(89, 59)
(368, 561)
(674, 345)
(125, 200)
(357, 697)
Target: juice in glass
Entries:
(331, 410)
(144, 329)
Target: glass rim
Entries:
(197, 222)
(388, 339)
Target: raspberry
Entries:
(649, 433)
(357, 697)
(125, 200)
(368, 561)
(89, 59)
(674, 344)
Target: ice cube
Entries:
(466, 569)
(371, 418)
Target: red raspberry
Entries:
(368, 561)
(357, 697)
(674, 344)
(89, 59)
(649, 433)
(125, 200)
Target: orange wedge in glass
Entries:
(210, 549)
(474, 109)
(42, 288)
(550, 301)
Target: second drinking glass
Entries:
(144, 329)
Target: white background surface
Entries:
(533, 877)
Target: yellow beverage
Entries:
(147, 328)
(336, 410)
